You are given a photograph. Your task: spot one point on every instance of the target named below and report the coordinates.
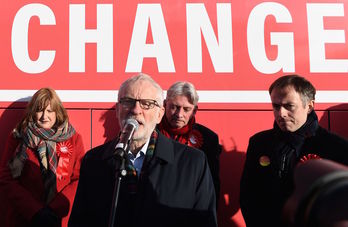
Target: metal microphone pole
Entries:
(119, 173)
(121, 154)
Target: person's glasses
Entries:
(145, 104)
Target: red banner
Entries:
(222, 47)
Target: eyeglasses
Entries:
(145, 104)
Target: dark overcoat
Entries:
(176, 190)
(263, 192)
(212, 149)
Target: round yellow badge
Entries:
(264, 160)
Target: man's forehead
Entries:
(285, 95)
(140, 88)
(283, 92)
(140, 84)
(285, 89)
(180, 100)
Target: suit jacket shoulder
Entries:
(263, 135)
(329, 145)
(331, 137)
(205, 131)
(171, 150)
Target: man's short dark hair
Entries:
(300, 84)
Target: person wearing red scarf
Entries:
(179, 123)
(40, 165)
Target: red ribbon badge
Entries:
(195, 139)
(307, 157)
(64, 151)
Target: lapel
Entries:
(146, 197)
(109, 149)
(164, 149)
(108, 157)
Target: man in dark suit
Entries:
(167, 183)
(272, 155)
(179, 123)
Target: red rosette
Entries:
(64, 152)
(195, 139)
(307, 157)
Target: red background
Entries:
(233, 122)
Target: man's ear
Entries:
(117, 107)
(310, 106)
(164, 103)
(160, 114)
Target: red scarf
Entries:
(185, 135)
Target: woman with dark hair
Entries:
(39, 168)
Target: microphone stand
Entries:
(121, 153)
(119, 173)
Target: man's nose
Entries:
(136, 107)
(282, 111)
(179, 112)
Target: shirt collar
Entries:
(142, 150)
(164, 148)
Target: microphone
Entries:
(121, 150)
(129, 127)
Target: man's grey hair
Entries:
(138, 77)
(183, 88)
(300, 84)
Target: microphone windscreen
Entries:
(131, 121)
